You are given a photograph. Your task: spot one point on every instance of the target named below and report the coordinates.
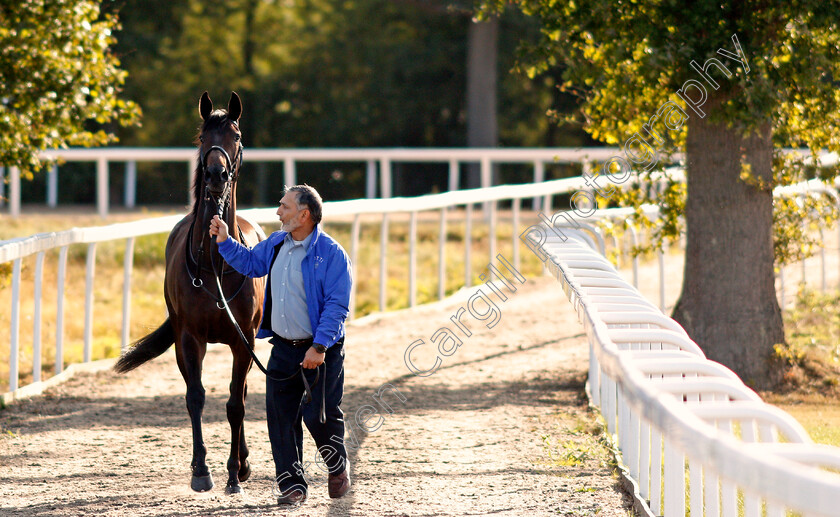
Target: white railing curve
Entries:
(687, 428)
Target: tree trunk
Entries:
(482, 56)
(248, 42)
(728, 302)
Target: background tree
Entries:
(626, 59)
(59, 82)
(324, 73)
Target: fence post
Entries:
(128, 265)
(383, 264)
(59, 310)
(492, 230)
(644, 459)
(89, 275)
(412, 260)
(36, 317)
(289, 172)
(52, 186)
(385, 178)
(515, 237)
(442, 255)
(102, 186)
(370, 180)
(486, 181)
(454, 174)
(130, 192)
(468, 247)
(14, 192)
(15, 330)
(539, 177)
(634, 241)
(674, 480)
(656, 471)
(354, 254)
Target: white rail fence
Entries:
(379, 165)
(694, 440)
(16, 250)
(378, 172)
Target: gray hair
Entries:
(308, 197)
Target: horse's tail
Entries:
(147, 348)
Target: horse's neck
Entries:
(200, 239)
(230, 216)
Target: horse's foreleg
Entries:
(244, 465)
(190, 356)
(238, 467)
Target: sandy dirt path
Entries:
(501, 428)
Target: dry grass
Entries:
(812, 382)
(147, 305)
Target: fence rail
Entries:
(378, 162)
(16, 250)
(687, 428)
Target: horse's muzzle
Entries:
(216, 177)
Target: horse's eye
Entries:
(201, 139)
(237, 136)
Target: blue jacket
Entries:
(327, 278)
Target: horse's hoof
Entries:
(202, 483)
(244, 472)
(233, 489)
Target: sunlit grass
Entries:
(812, 328)
(821, 419)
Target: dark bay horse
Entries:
(196, 314)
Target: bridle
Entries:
(232, 165)
(222, 202)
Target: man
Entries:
(306, 303)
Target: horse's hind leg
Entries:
(190, 355)
(238, 467)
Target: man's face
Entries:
(290, 215)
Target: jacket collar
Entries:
(316, 234)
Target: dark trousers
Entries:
(284, 403)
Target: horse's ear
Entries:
(205, 106)
(234, 107)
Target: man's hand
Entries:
(313, 358)
(219, 228)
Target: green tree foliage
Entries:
(760, 76)
(59, 82)
(626, 59)
(321, 73)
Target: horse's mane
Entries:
(217, 120)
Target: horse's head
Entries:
(220, 150)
